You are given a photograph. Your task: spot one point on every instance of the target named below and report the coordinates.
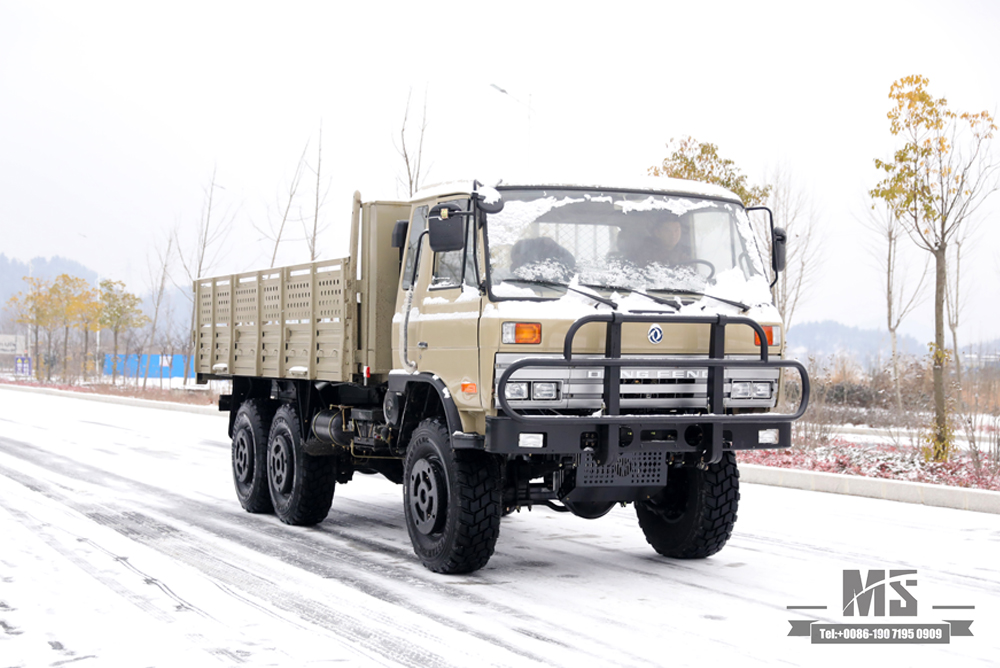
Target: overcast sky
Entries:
(113, 116)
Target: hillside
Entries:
(828, 338)
(823, 339)
(177, 302)
(12, 272)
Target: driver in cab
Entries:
(652, 241)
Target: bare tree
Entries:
(198, 258)
(158, 275)
(899, 301)
(954, 302)
(412, 160)
(171, 340)
(794, 211)
(313, 234)
(285, 202)
(213, 230)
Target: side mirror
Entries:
(446, 228)
(399, 233)
(778, 240)
(489, 200)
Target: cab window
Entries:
(417, 226)
(453, 268)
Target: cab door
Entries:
(444, 320)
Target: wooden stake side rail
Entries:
(287, 322)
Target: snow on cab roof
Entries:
(655, 184)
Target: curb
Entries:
(979, 500)
(885, 432)
(111, 399)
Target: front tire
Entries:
(249, 455)
(693, 516)
(301, 485)
(452, 501)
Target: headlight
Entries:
(741, 390)
(516, 391)
(745, 389)
(543, 391)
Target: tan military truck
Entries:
(495, 348)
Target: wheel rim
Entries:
(426, 497)
(243, 458)
(281, 464)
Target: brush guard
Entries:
(604, 436)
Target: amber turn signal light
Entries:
(769, 332)
(521, 332)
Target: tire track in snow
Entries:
(294, 546)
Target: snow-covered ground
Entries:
(122, 544)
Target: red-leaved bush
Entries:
(877, 461)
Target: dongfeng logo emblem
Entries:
(655, 334)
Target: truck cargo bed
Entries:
(262, 323)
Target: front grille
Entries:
(642, 389)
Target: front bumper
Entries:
(612, 433)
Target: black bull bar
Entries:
(565, 434)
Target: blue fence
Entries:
(160, 366)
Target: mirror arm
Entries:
(770, 219)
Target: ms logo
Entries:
(860, 595)
(655, 334)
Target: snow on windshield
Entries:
(622, 240)
(676, 205)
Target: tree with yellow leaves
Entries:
(120, 312)
(700, 161)
(66, 297)
(87, 318)
(32, 308)
(935, 181)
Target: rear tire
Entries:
(301, 485)
(249, 455)
(693, 516)
(452, 501)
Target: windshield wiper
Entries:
(531, 281)
(674, 291)
(621, 288)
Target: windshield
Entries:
(544, 239)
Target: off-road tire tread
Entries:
(319, 481)
(478, 507)
(259, 413)
(718, 501)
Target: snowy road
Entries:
(122, 544)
